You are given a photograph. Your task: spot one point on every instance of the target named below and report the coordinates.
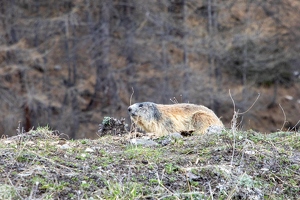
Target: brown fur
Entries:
(165, 119)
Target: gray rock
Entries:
(213, 130)
(175, 136)
(168, 139)
(89, 150)
(65, 146)
(143, 142)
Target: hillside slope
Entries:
(227, 165)
(68, 64)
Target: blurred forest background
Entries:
(69, 63)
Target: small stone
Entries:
(8, 141)
(176, 135)
(25, 174)
(168, 139)
(288, 97)
(143, 142)
(30, 143)
(212, 130)
(250, 152)
(89, 150)
(192, 177)
(65, 146)
(264, 169)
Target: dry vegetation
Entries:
(40, 164)
(69, 63)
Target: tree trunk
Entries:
(102, 93)
(186, 78)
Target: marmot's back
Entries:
(164, 119)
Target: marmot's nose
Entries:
(129, 109)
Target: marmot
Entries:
(165, 119)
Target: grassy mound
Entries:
(244, 165)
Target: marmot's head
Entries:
(144, 111)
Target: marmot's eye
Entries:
(141, 105)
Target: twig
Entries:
(251, 105)
(51, 161)
(233, 127)
(234, 121)
(189, 186)
(211, 193)
(131, 96)
(294, 127)
(11, 183)
(248, 108)
(160, 183)
(176, 194)
(230, 195)
(174, 100)
(232, 100)
(34, 190)
(284, 117)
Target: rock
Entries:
(175, 135)
(212, 130)
(192, 177)
(264, 169)
(168, 138)
(166, 141)
(89, 150)
(65, 146)
(143, 142)
(250, 152)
